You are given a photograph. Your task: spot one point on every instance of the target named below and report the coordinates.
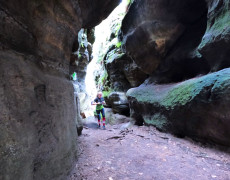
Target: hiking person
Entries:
(99, 102)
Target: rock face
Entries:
(38, 120)
(80, 58)
(114, 119)
(198, 107)
(123, 73)
(119, 103)
(162, 37)
(174, 41)
(94, 11)
(217, 35)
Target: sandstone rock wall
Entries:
(38, 120)
(184, 47)
(162, 38)
(197, 107)
(215, 45)
(80, 58)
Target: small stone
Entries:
(214, 176)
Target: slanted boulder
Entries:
(198, 108)
(162, 37)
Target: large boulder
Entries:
(115, 119)
(162, 37)
(123, 73)
(198, 107)
(38, 120)
(119, 103)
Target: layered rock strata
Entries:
(198, 107)
(38, 108)
(184, 47)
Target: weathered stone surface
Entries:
(113, 119)
(198, 107)
(78, 108)
(94, 11)
(42, 28)
(161, 36)
(123, 73)
(38, 120)
(80, 58)
(215, 45)
(119, 102)
(91, 35)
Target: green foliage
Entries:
(103, 78)
(114, 54)
(118, 45)
(106, 93)
(129, 2)
(82, 45)
(79, 55)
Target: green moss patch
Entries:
(182, 93)
(219, 28)
(157, 120)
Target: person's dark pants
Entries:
(102, 111)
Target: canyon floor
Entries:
(144, 153)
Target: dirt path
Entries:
(143, 153)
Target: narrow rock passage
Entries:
(143, 153)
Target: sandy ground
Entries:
(143, 153)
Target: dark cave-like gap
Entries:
(184, 61)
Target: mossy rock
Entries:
(198, 107)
